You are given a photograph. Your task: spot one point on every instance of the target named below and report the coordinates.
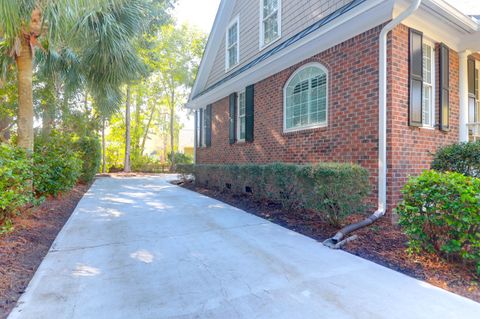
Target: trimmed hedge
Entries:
(440, 213)
(57, 167)
(89, 151)
(463, 158)
(145, 164)
(333, 190)
(15, 177)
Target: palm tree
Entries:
(99, 31)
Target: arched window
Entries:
(306, 98)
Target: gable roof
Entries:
(297, 37)
(367, 14)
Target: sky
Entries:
(199, 13)
(466, 6)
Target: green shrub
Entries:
(185, 170)
(180, 158)
(57, 167)
(440, 212)
(145, 164)
(15, 180)
(463, 158)
(89, 151)
(332, 190)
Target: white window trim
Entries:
(433, 85)
(311, 126)
(238, 115)
(228, 67)
(262, 44)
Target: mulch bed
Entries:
(23, 249)
(383, 243)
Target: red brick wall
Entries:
(410, 149)
(352, 132)
(351, 135)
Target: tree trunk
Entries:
(48, 119)
(136, 135)
(127, 168)
(165, 145)
(47, 122)
(25, 98)
(172, 130)
(147, 129)
(104, 150)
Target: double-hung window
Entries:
(241, 117)
(270, 21)
(232, 44)
(306, 98)
(428, 103)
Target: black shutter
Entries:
(444, 87)
(208, 126)
(249, 111)
(233, 117)
(200, 123)
(416, 78)
(472, 99)
(471, 77)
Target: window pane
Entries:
(232, 35)
(241, 116)
(306, 98)
(269, 6)
(232, 56)
(428, 100)
(427, 63)
(242, 128)
(270, 29)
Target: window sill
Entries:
(304, 128)
(264, 46)
(429, 128)
(233, 67)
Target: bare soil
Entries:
(23, 249)
(383, 242)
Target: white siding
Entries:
(296, 16)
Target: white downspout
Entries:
(336, 241)
(382, 105)
(195, 137)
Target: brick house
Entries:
(379, 83)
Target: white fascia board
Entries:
(222, 19)
(360, 19)
(443, 23)
(453, 14)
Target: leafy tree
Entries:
(176, 57)
(101, 31)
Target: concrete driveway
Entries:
(142, 248)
